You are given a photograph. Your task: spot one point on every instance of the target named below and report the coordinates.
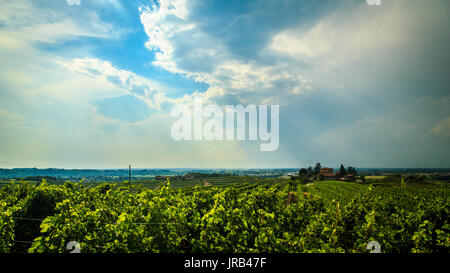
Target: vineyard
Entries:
(244, 217)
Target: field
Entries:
(175, 182)
(375, 176)
(232, 215)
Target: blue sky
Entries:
(92, 86)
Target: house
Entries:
(326, 170)
(327, 174)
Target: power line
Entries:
(24, 242)
(136, 223)
(29, 219)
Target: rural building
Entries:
(326, 170)
(328, 173)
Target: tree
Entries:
(304, 179)
(317, 168)
(351, 170)
(310, 171)
(302, 172)
(342, 171)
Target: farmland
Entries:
(232, 215)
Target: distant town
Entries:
(316, 172)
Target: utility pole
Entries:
(129, 173)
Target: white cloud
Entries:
(26, 22)
(127, 81)
(182, 47)
(161, 23)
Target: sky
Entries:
(93, 85)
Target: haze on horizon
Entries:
(92, 86)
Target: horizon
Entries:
(203, 168)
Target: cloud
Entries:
(343, 47)
(165, 22)
(182, 46)
(30, 22)
(443, 128)
(130, 83)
